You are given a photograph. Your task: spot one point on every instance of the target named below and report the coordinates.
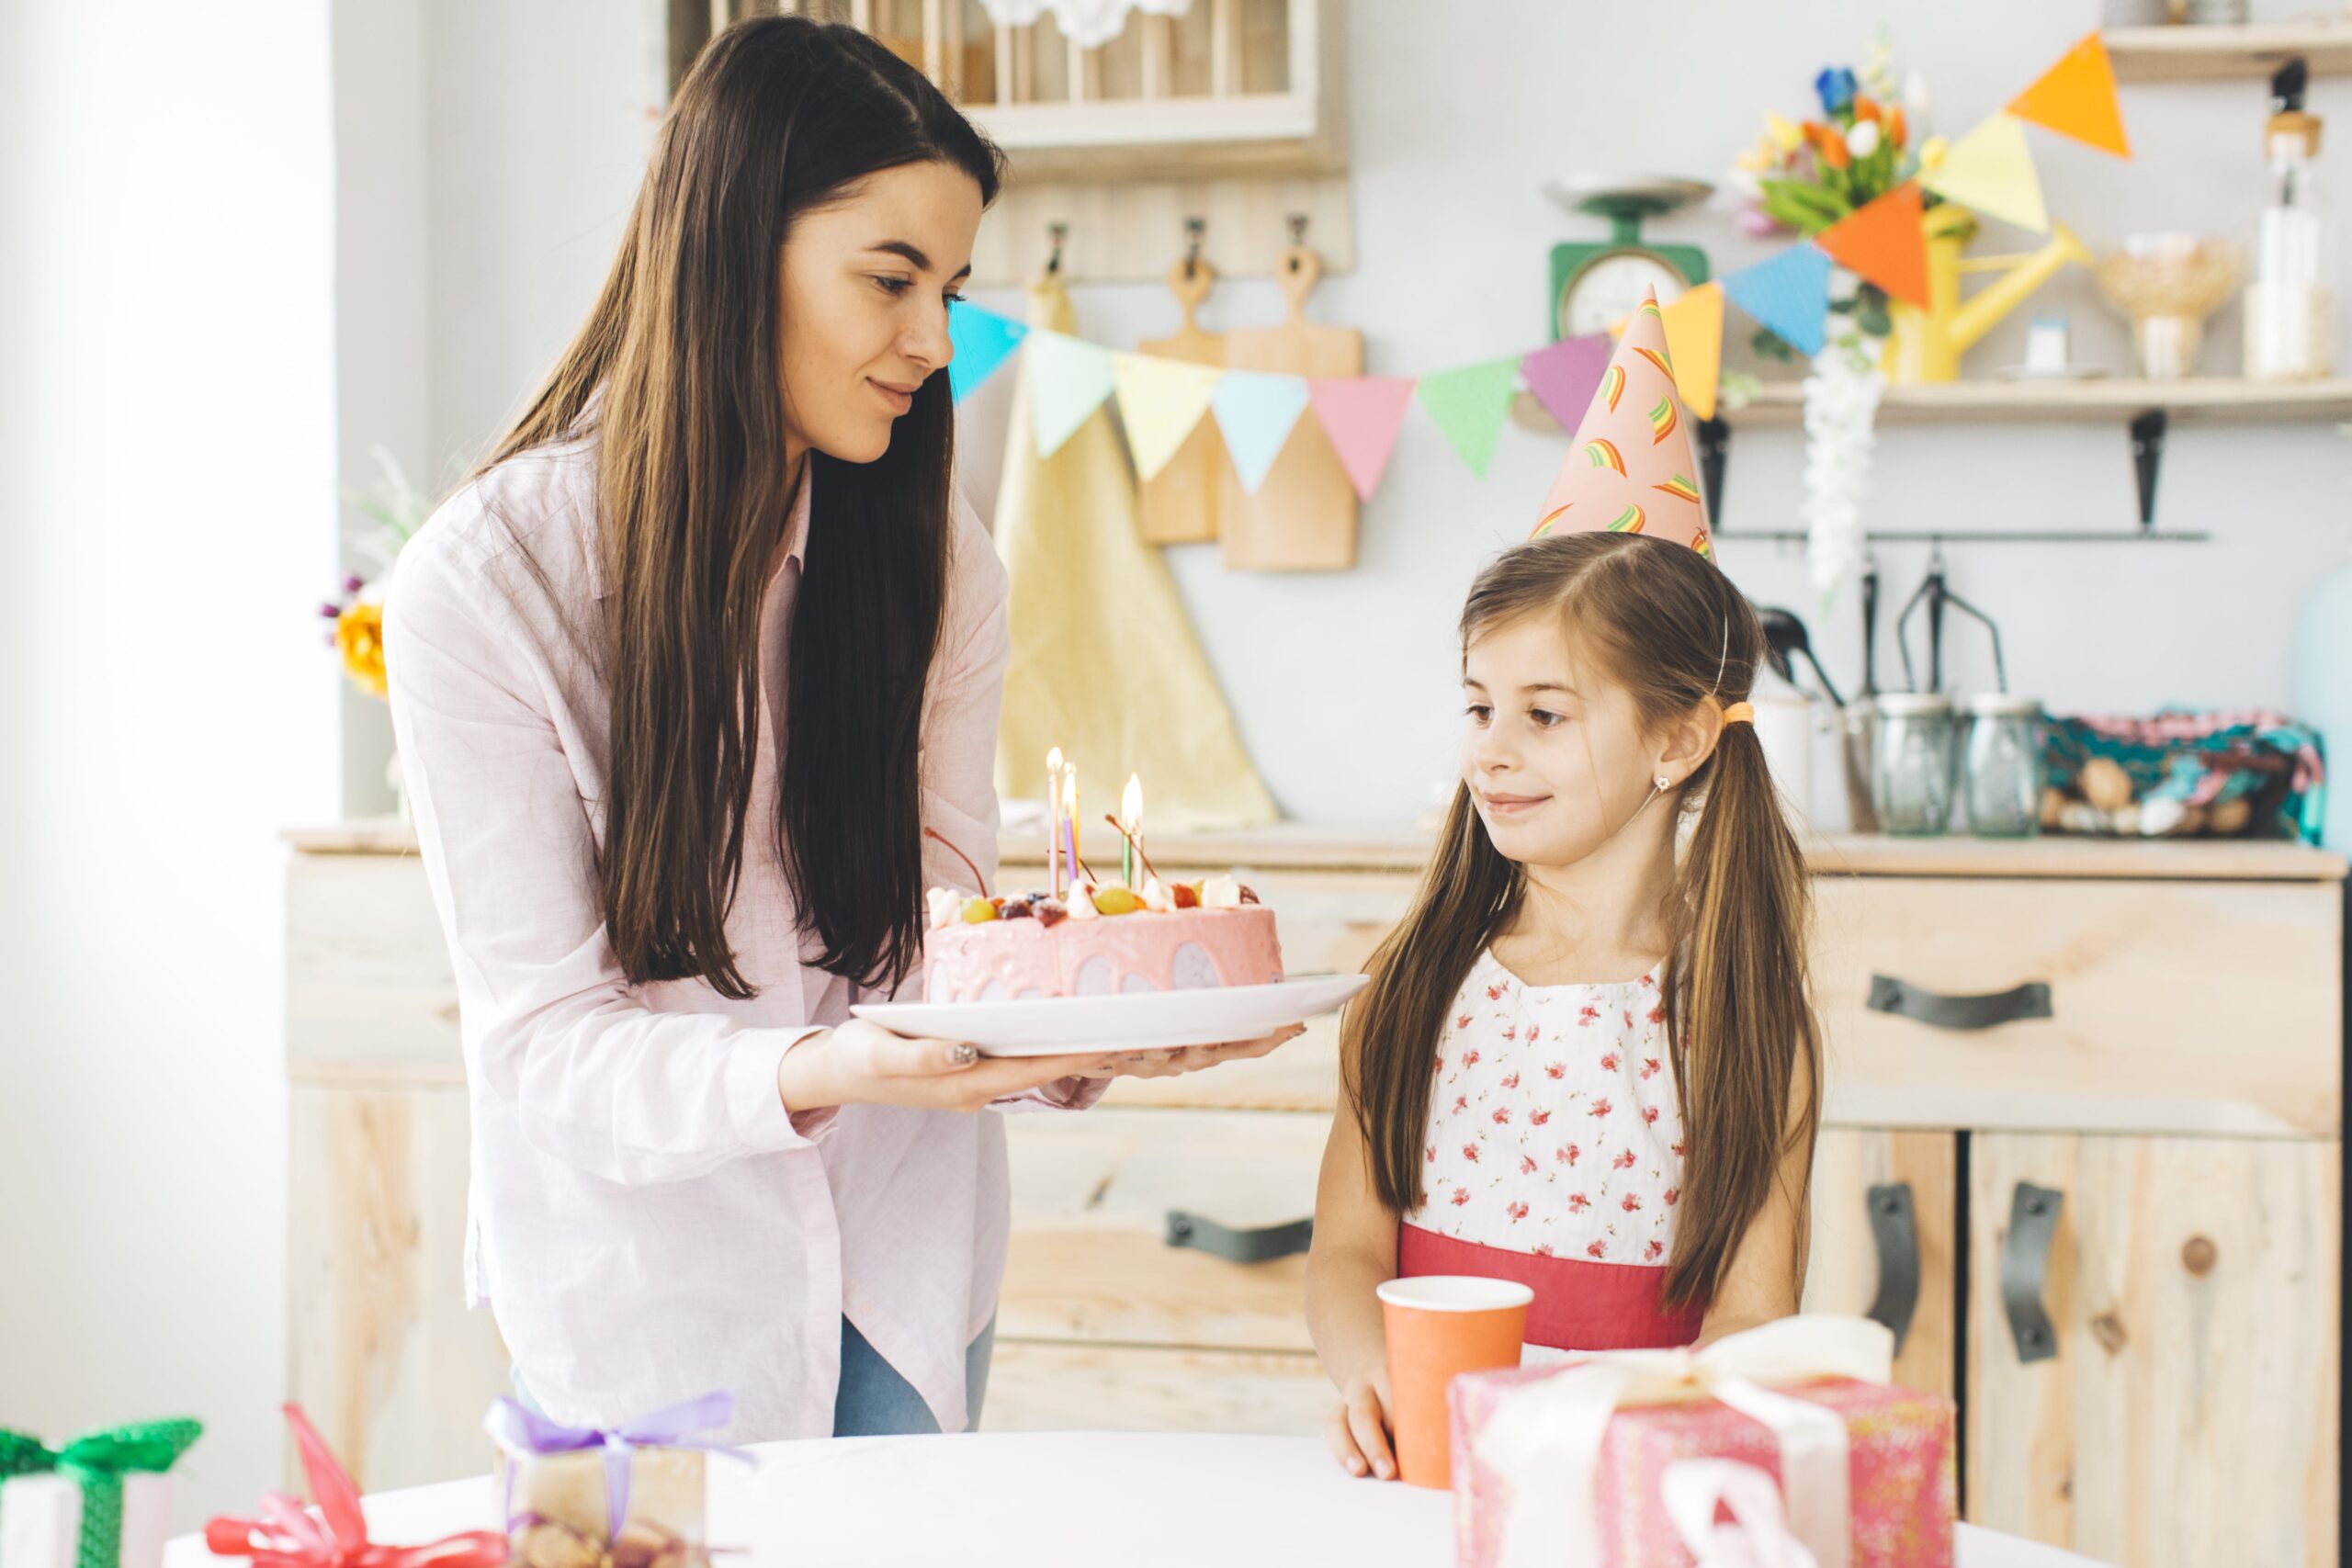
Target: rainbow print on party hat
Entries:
(1631, 468)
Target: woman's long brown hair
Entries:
(677, 371)
(1668, 626)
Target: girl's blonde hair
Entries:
(1666, 625)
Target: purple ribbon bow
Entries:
(519, 1432)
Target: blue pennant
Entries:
(983, 341)
(1789, 293)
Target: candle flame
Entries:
(1054, 761)
(1131, 804)
(1069, 790)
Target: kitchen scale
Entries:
(1598, 283)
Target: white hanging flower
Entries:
(1841, 398)
(1090, 24)
(1862, 140)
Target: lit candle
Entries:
(1052, 821)
(1131, 819)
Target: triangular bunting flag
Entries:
(1789, 293)
(1469, 405)
(1883, 242)
(983, 341)
(1694, 342)
(1563, 376)
(1990, 170)
(1160, 400)
(1255, 414)
(1069, 378)
(2075, 98)
(1362, 415)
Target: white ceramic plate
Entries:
(1131, 1020)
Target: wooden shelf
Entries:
(2101, 401)
(2225, 53)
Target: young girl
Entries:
(1586, 1063)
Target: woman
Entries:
(685, 681)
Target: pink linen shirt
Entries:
(645, 1217)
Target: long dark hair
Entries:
(679, 359)
(1670, 627)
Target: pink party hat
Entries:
(1632, 469)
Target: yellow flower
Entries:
(359, 636)
(1932, 151)
(1785, 136)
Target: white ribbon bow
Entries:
(1692, 1490)
(1544, 1440)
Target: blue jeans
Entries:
(873, 1400)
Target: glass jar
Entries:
(2004, 766)
(1912, 777)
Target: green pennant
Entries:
(1470, 404)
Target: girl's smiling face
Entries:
(1553, 755)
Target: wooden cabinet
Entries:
(2150, 1037)
(2182, 1408)
(1885, 1241)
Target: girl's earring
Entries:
(1664, 783)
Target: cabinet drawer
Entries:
(2171, 1006)
(1089, 1260)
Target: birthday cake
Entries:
(1097, 941)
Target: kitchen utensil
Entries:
(1859, 722)
(1785, 638)
(1303, 517)
(1181, 503)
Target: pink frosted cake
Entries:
(1095, 941)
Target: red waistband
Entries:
(1579, 1304)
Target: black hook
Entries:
(1056, 233)
(1196, 228)
(1297, 221)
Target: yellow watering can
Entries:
(1928, 344)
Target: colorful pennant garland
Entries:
(1990, 170)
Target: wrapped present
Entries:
(288, 1535)
(630, 1497)
(102, 1501)
(1567, 1463)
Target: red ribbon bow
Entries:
(286, 1536)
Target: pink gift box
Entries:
(1901, 1481)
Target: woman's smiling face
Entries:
(1553, 755)
(863, 285)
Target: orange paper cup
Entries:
(1439, 1326)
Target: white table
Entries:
(1045, 1500)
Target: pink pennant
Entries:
(1362, 415)
(1563, 376)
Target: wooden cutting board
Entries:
(1304, 517)
(1181, 504)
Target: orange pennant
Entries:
(1694, 342)
(2076, 97)
(1883, 241)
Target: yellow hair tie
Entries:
(1739, 713)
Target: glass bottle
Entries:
(2004, 766)
(1911, 780)
(2290, 308)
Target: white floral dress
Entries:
(1554, 1156)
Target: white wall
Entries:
(487, 156)
(166, 504)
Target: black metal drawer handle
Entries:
(2025, 1265)
(1938, 1010)
(1260, 1246)
(1894, 1226)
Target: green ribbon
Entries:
(97, 1461)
